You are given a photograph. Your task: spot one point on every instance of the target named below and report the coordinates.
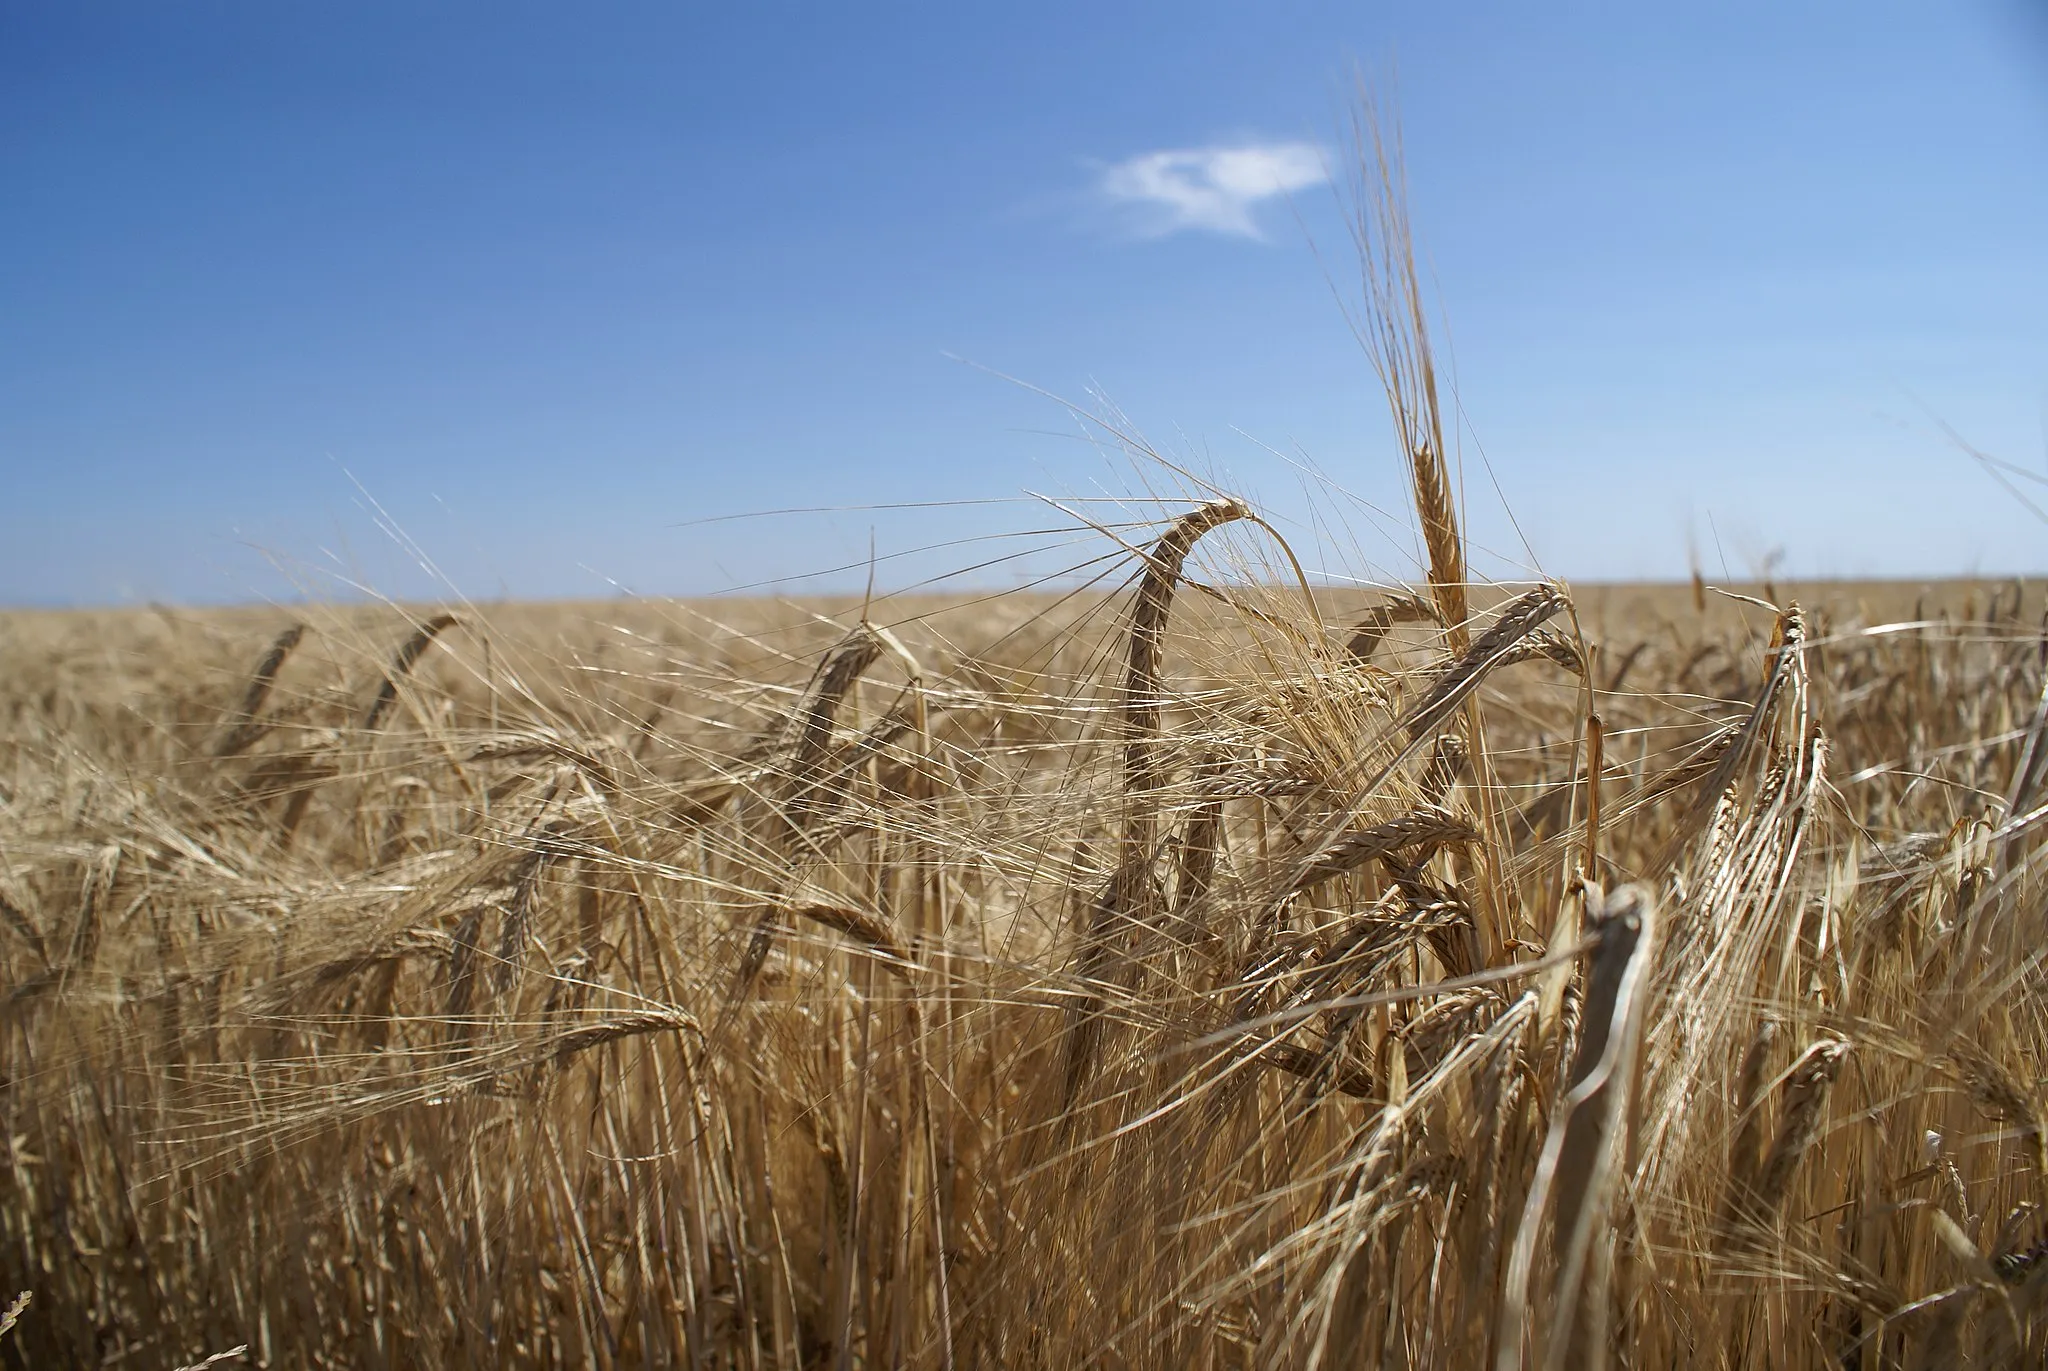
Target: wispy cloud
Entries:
(1209, 190)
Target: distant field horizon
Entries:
(1885, 590)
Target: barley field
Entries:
(1214, 971)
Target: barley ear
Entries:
(246, 728)
(1802, 1109)
(1128, 897)
(402, 663)
(1393, 329)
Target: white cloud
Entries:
(1211, 189)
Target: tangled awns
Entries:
(1215, 971)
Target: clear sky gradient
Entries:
(550, 283)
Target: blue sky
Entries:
(547, 284)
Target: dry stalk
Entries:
(1580, 1162)
(1596, 765)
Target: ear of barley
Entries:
(1751, 1096)
(1126, 900)
(1494, 648)
(799, 795)
(245, 728)
(95, 894)
(1424, 830)
(583, 1038)
(1394, 331)
(2000, 1095)
(402, 663)
(1802, 1110)
(1369, 632)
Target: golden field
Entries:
(1211, 972)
